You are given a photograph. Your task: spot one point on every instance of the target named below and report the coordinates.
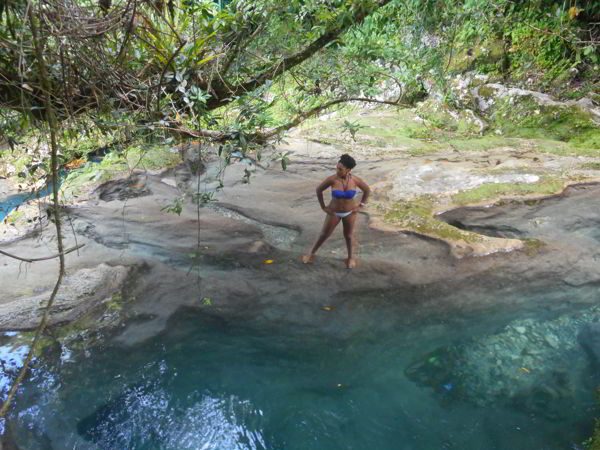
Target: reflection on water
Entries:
(146, 414)
(208, 384)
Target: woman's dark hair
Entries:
(348, 161)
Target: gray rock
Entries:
(79, 293)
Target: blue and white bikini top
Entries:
(349, 194)
(344, 194)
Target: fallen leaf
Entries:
(268, 261)
(75, 163)
(574, 12)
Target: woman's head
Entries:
(345, 165)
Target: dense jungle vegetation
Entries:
(129, 73)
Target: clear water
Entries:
(12, 202)
(207, 383)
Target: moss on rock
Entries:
(523, 114)
(495, 191)
(590, 166)
(441, 116)
(418, 216)
(594, 442)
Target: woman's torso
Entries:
(343, 188)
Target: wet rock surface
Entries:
(566, 224)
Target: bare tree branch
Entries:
(43, 258)
(225, 93)
(262, 137)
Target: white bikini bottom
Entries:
(341, 215)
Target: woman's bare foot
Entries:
(350, 263)
(308, 259)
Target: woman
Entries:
(343, 206)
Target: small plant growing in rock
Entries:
(202, 198)
(176, 207)
(352, 128)
(246, 177)
(283, 157)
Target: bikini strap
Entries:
(345, 186)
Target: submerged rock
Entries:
(522, 365)
(589, 339)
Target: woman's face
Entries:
(341, 170)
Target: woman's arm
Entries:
(364, 187)
(326, 183)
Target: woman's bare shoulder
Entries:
(358, 180)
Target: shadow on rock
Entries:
(131, 187)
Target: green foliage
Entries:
(283, 157)
(417, 215)
(219, 66)
(151, 157)
(202, 198)
(525, 117)
(176, 207)
(351, 128)
(589, 138)
(494, 191)
(593, 443)
(444, 118)
(14, 217)
(590, 166)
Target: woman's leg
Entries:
(329, 225)
(349, 223)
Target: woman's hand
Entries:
(327, 210)
(359, 207)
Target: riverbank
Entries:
(419, 173)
